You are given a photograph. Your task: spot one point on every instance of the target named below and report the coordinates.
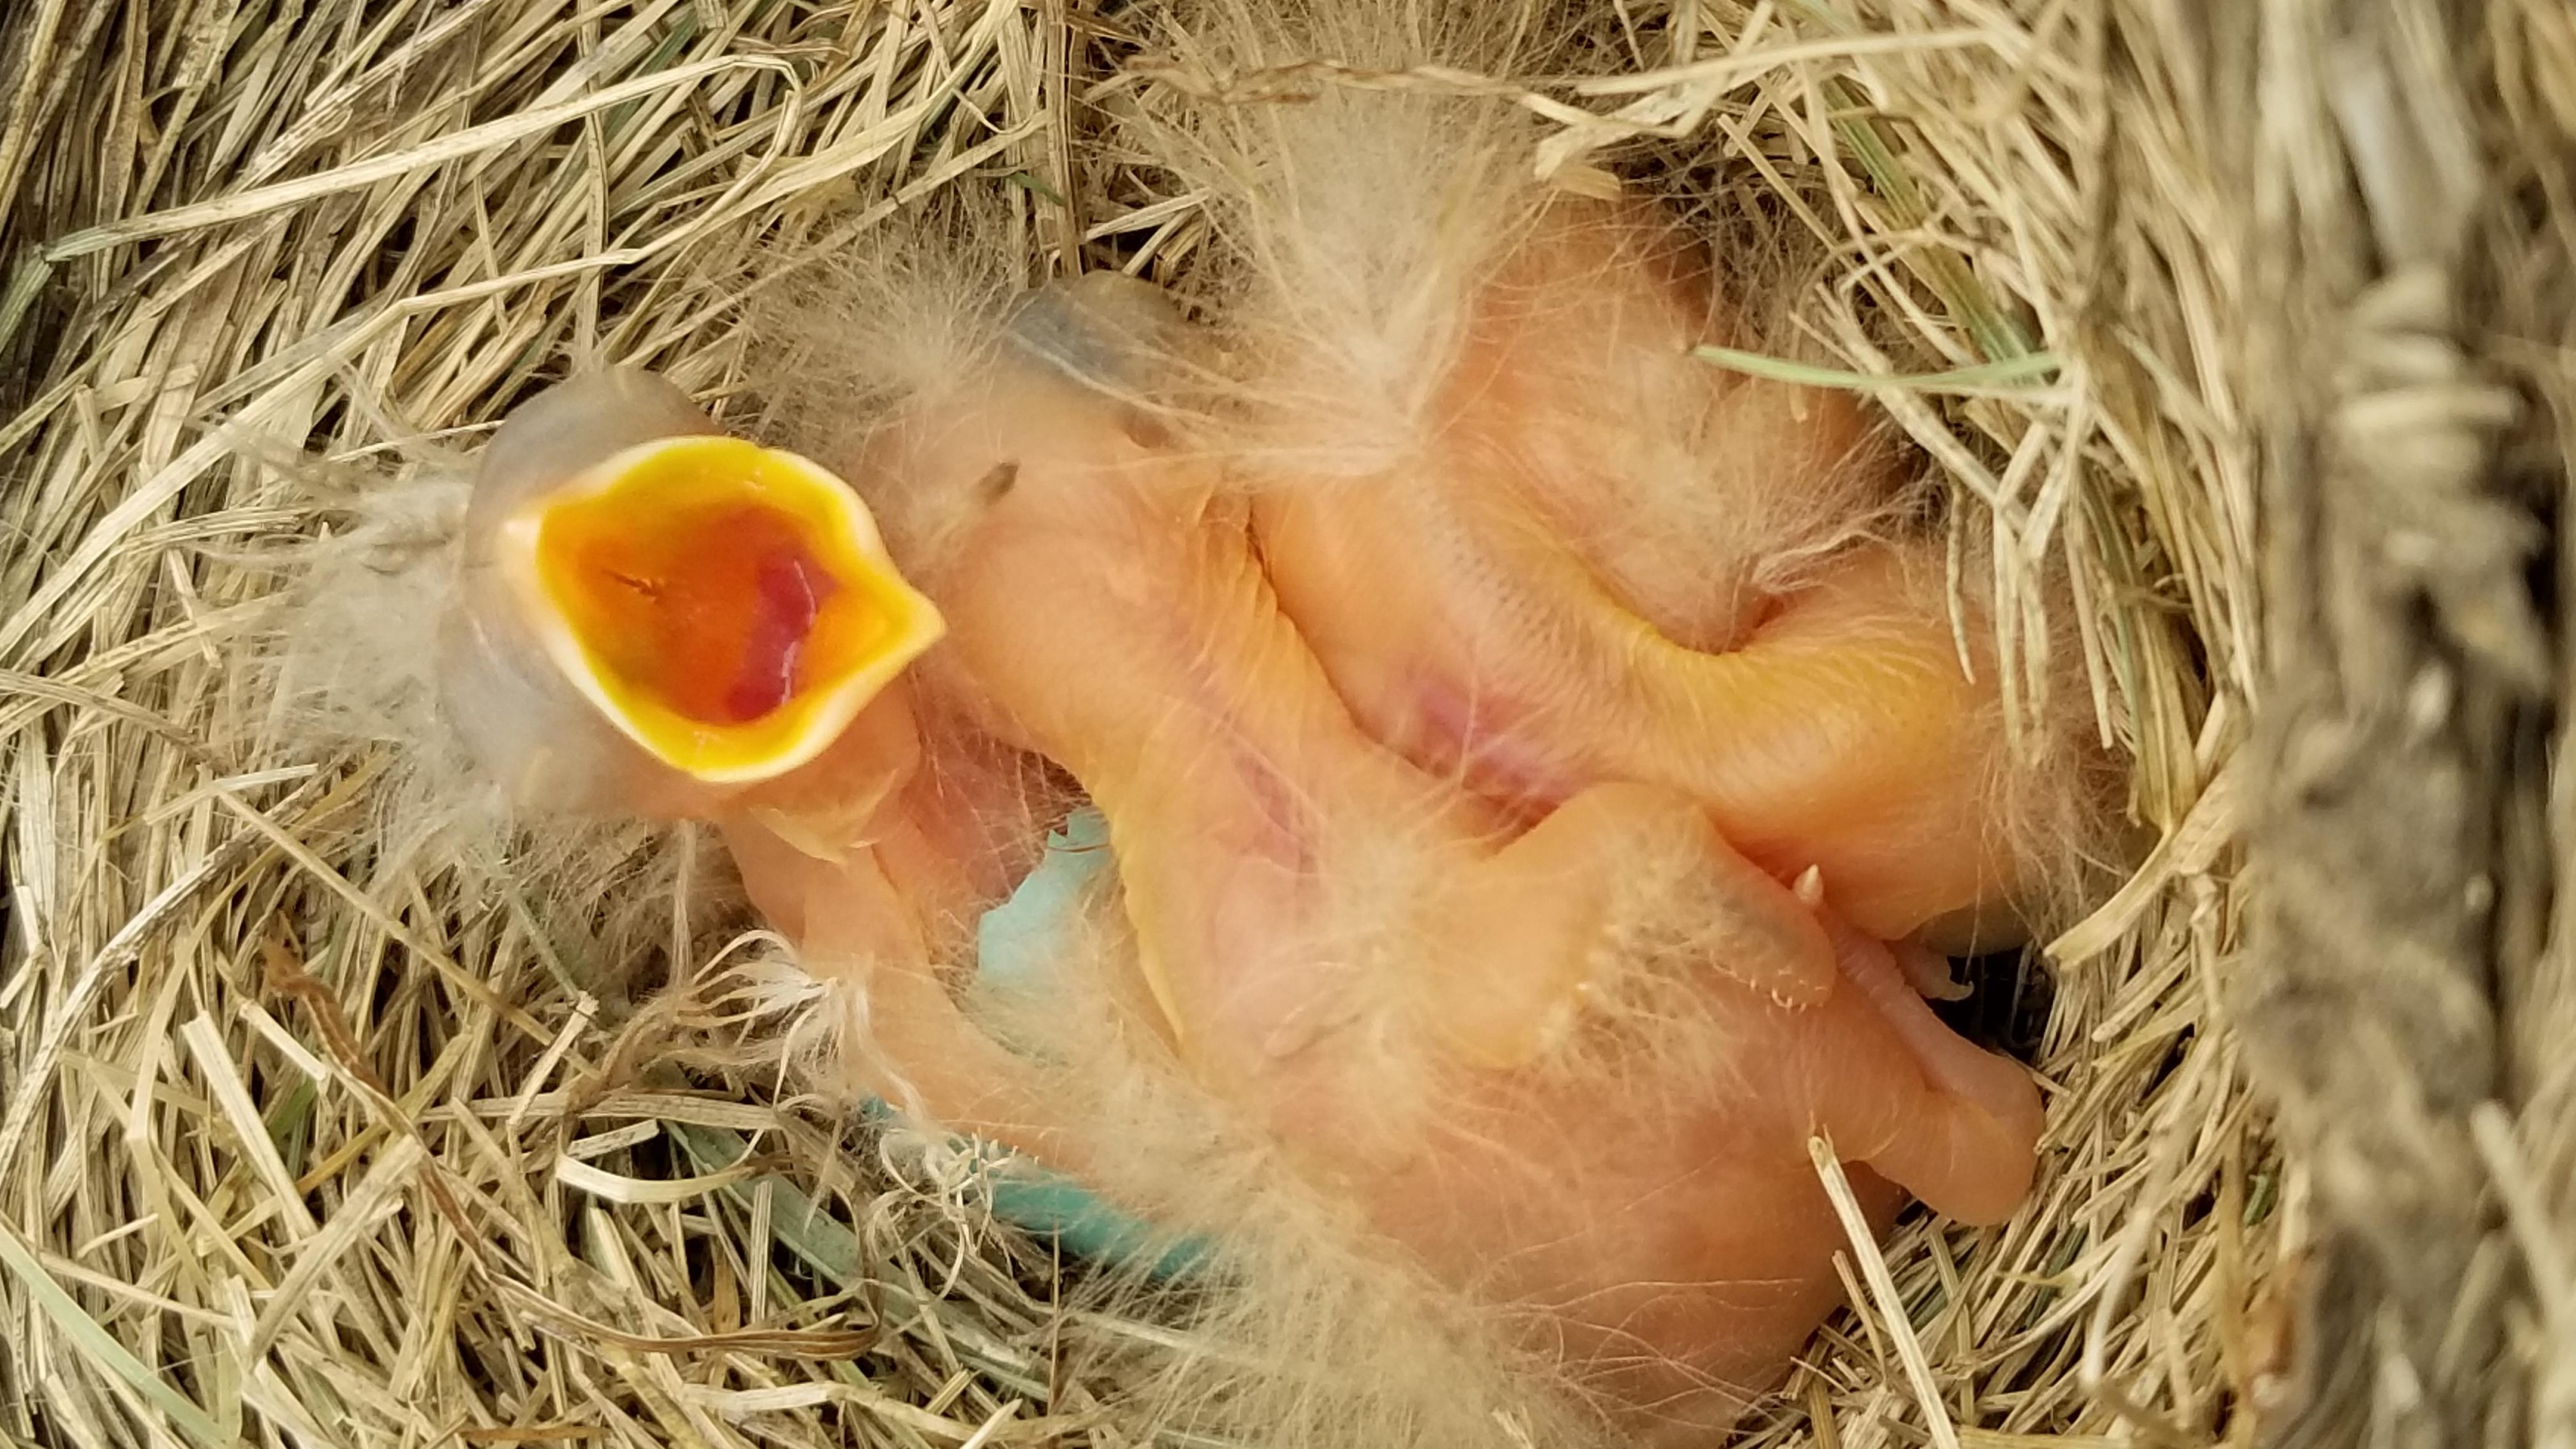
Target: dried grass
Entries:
(431, 1161)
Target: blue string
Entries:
(1017, 944)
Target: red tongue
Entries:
(708, 610)
(788, 590)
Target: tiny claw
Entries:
(1928, 972)
(1809, 888)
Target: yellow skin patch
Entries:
(729, 607)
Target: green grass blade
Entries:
(1985, 376)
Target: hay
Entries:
(311, 1135)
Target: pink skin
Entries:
(1531, 603)
(1643, 1190)
(1607, 1149)
(1694, 1258)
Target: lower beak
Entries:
(730, 608)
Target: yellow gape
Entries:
(729, 608)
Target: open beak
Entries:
(730, 608)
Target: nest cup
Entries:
(341, 1104)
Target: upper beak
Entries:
(730, 608)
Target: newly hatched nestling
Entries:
(1538, 543)
(1513, 597)
(652, 618)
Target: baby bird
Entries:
(1517, 598)
(654, 620)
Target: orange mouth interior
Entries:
(724, 603)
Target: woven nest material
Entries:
(307, 1136)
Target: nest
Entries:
(310, 1133)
